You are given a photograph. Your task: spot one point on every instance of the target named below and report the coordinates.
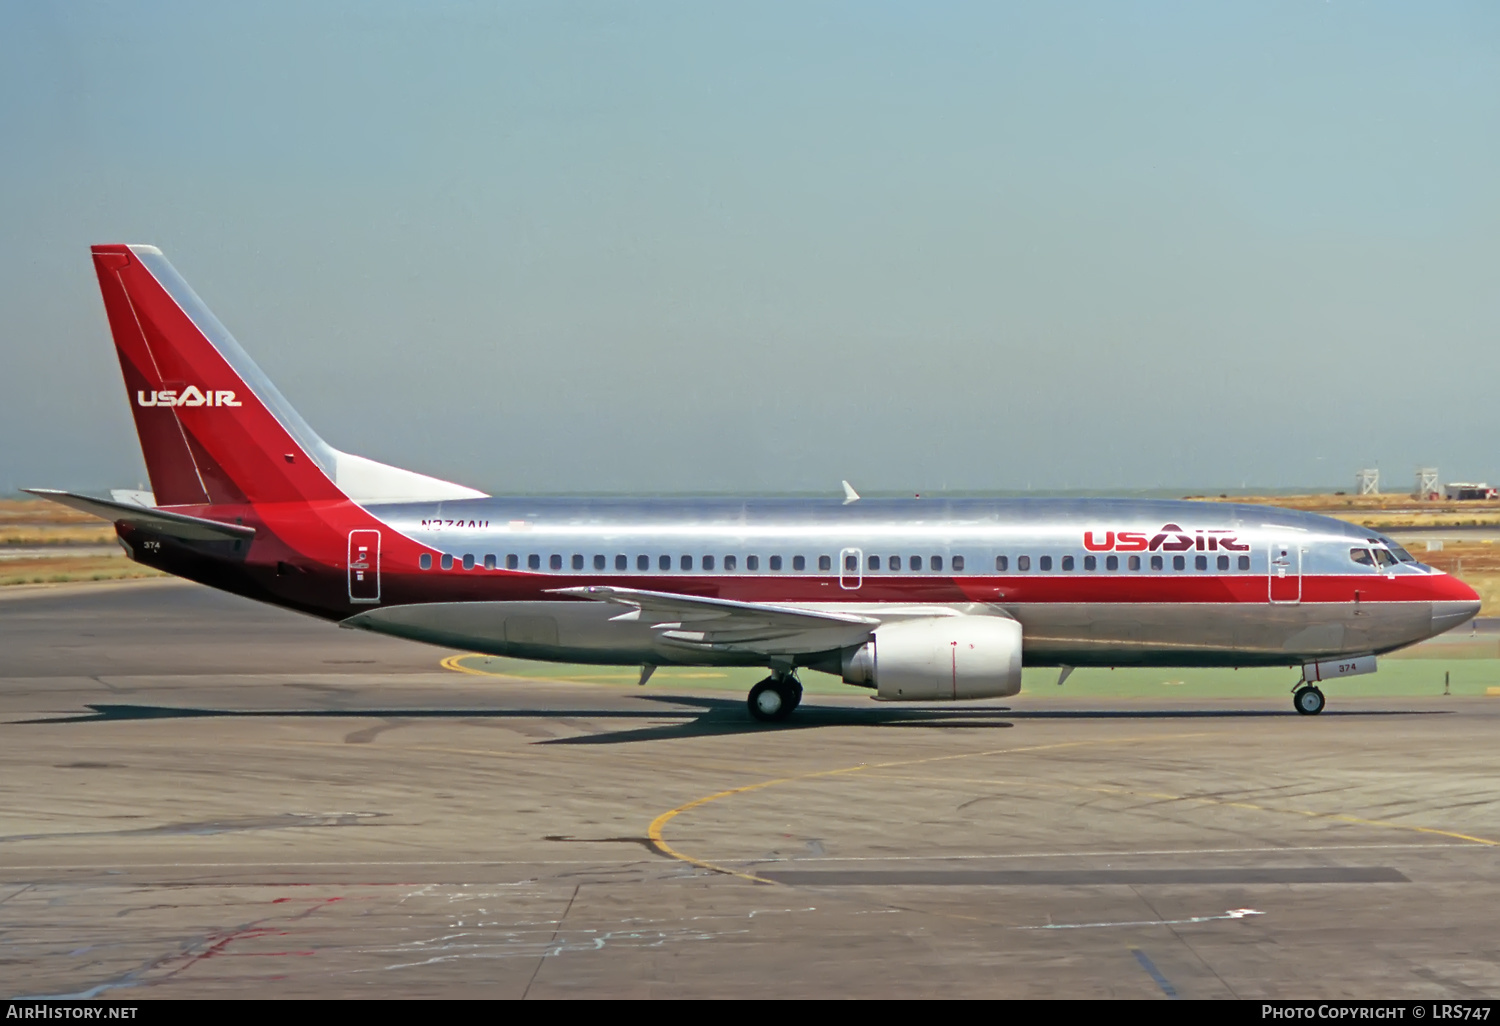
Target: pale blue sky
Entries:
(694, 246)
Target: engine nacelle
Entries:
(939, 658)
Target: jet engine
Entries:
(941, 658)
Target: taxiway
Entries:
(204, 797)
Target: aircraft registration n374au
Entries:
(917, 600)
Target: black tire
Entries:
(769, 701)
(792, 691)
(1308, 701)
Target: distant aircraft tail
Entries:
(213, 428)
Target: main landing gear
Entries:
(774, 699)
(1307, 699)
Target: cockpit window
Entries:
(1362, 557)
(1385, 558)
(1402, 554)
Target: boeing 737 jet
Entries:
(918, 600)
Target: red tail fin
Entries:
(212, 427)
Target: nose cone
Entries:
(1454, 603)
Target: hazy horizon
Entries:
(691, 249)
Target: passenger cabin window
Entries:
(800, 563)
(1200, 562)
(425, 561)
(1067, 563)
(708, 562)
(555, 562)
(643, 563)
(534, 561)
(916, 562)
(599, 562)
(1023, 562)
(1111, 562)
(937, 562)
(1244, 562)
(893, 563)
(1089, 563)
(468, 560)
(1044, 563)
(446, 562)
(1156, 563)
(1179, 562)
(622, 562)
(1223, 562)
(851, 564)
(1362, 557)
(1002, 563)
(489, 561)
(752, 562)
(729, 563)
(825, 563)
(664, 563)
(687, 562)
(512, 561)
(577, 561)
(958, 564)
(775, 562)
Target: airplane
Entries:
(917, 600)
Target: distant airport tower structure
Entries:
(1428, 489)
(1368, 481)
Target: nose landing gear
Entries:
(775, 698)
(1307, 700)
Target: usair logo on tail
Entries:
(189, 396)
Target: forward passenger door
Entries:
(1285, 572)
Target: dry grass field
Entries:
(39, 522)
(64, 568)
(29, 535)
(1379, 511)
(44, 543)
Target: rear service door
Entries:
(364, 566)
(1286, 572)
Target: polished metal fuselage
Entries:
(1235, 585)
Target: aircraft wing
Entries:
(693, 622)
(157, 521)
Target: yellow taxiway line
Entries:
(658, 825)
(656, 831)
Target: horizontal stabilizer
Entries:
(157, 521)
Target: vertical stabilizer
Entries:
(213, 428)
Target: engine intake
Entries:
(941, 658)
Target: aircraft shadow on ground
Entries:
(704, 717)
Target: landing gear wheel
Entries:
(1308, 700)
(773, 699)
